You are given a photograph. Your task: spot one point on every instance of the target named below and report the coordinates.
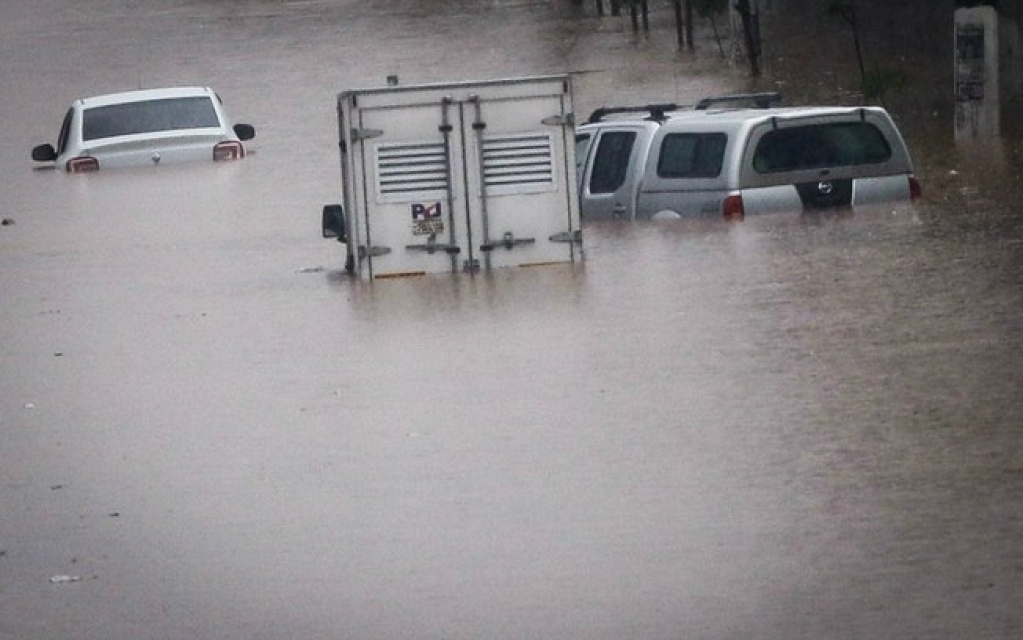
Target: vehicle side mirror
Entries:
(334, 223)
(44, 153)
(244, 131)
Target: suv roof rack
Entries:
(761, 100)
(656, 111)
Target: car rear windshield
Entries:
(691, 155)
(152, 115)
(823, 145)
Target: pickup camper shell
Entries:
(715, 159)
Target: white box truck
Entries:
(456, 177)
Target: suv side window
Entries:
(611, 161)
(582, 145)
(823, 145)
(691, 155)
(65, 131)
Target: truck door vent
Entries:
(518, 163)
(410, 169)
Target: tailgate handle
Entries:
(431, 246)
(507, 241)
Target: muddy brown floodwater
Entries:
(789, 428)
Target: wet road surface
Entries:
(792, 428)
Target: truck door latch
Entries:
(372, 251)
(575, 236)
(364, 134)
(431, 246)
(559, 120)
(507, 241)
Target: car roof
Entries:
(746, 115)
(141, 95)
(731, 118)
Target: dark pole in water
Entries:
(679, 32)
(752, 47)
(689, 25)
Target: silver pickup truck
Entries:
(664, 161)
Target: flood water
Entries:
(790, 428)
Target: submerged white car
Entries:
(145, 127)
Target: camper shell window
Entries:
(819, 146)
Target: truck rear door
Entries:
(464, 177)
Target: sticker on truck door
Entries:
(426, 218)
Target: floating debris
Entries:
(65, 579)
(7, 222)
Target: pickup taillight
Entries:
(915, 190)
(82, 164)
(732, 209)
(228, 150)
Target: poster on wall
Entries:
(976, 73)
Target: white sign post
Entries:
(976, 73)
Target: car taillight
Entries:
(915, 190)
(732, 209)
(81, 164)
(228, 150)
